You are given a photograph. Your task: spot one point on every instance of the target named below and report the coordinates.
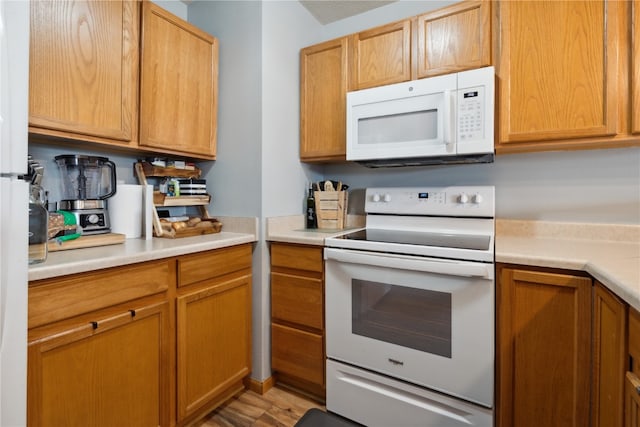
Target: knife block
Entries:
(331, 209)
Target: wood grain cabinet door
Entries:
(214, 342)
(112, 372)
(178, 85)
(83, 71)
(543, 348)
(632, 400)
(454, 38)
(323, 98)
(635, 68)
(381, 55)
(559, 69)
(609, 358)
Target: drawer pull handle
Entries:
(94, 325)
(133, 313)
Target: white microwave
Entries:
(443, 119)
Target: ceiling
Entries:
(327, 11)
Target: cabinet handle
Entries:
(133, 313)
(94, 325)
(634, 380)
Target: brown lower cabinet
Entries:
(156, 343)
(632, 378)
(561, 349)
(297, 317)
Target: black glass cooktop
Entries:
(443, 240)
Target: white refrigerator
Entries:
(14, 208)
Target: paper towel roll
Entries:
(125, 210)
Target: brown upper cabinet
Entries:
(563, 75)
(178, 85)
(635, 68)
(89, 68)
(454, 38)
(324, 79)
(83, 73)
(382, 55)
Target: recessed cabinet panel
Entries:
(178, 85)
(83, 71)
(381, 55)
(115, 373)
(454, 38)
(558, 69)
(323, 97)
(538, 313)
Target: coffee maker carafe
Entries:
(87, 183)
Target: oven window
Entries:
(414, 318)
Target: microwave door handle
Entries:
(404, 262)
(449, 121)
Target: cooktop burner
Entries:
(443, 240)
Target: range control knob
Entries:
(477, 199)
(93, 219)
(376, 197)
(387, 197)
(463, 198)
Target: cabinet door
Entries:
(454, 38)
(381, 55)
(609, 357)
(543, 353)
(635, 68)
(178, 85)
(214, 342)
(632, 400)
(558, 69)
(112, 372)
(83, 72)
(323, 97)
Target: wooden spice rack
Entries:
(144, 170)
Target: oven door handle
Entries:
(407, 262)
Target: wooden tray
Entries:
(86, 242)
(194, 231)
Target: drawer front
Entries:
(297, 257)
(207, 265)
(297, 353)
(297, 299)
(56, 299)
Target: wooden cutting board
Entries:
(87, 242)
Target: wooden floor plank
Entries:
(276, 408)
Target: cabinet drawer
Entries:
(297, 299)
(55, 299)
(634, 339)
(207, 265)
(297, 353)
(297, 257)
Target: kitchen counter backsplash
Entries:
(235, 231)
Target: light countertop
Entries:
(235, 231)
(608, 252)
(291, 229)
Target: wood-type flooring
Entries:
(277, 407)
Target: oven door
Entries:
(427, 321)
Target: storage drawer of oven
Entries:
(297, 353)
(297, 300)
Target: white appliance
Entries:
(443, 119)
(410, 310)
(14, 200)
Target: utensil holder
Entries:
(331, 209)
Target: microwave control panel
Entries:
(471, 114)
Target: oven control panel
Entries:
(472, 201)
